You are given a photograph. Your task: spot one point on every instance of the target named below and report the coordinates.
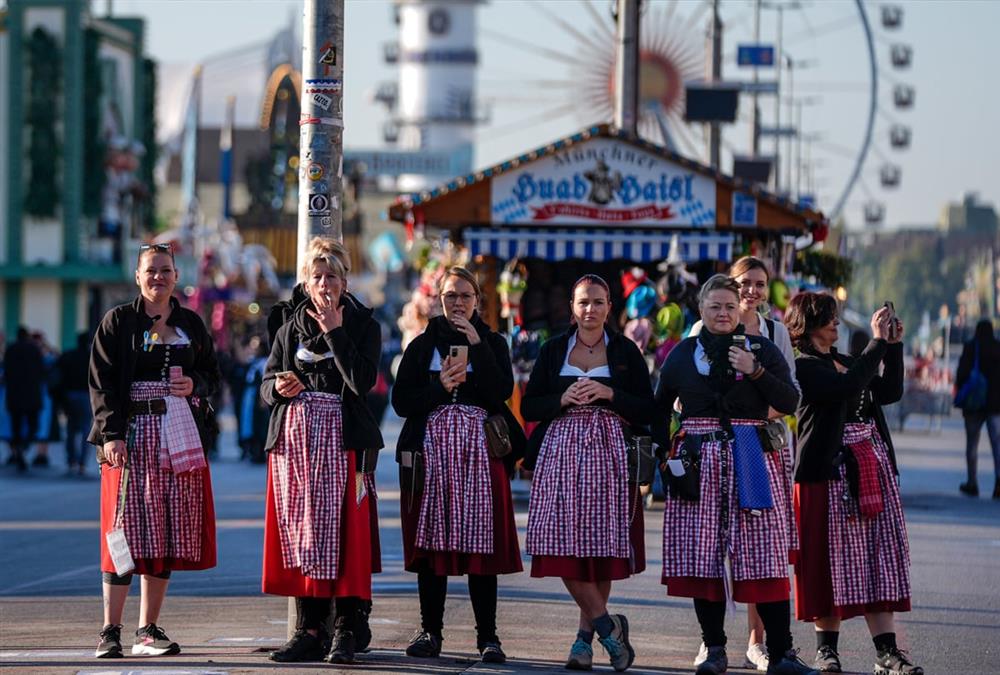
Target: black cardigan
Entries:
(356, 346)
(418, 391)
(747, 399)
(113, 355)
(826, 395)
(632, 398)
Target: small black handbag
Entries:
(687, 451)
(772, 436)
(641, 460)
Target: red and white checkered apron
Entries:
(757, 545)
(309, 470)
(456, 512)
(163, 509)
(869, 557)
(579, 494)
(784, 465)
(180, 442)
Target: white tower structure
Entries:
(434, 104)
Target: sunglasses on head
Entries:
(162, 248)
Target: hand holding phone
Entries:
(893, 330)
(459, 355)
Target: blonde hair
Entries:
(464, 275)
(329, 251)
(718, 282)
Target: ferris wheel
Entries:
(826, 78)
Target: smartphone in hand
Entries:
(459, 354)
(892, 318)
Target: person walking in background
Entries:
(854, 558)
(459, 519)
(590, 390)
(24, 374)
(152, 370)
(981, 354)
(752, 277)
(321, 518)
(726, 520)
(72, 392)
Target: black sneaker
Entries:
(895, 662)
(110, 645)
(715, 663)
(490, 652)
(791, 665)
(424, 645)
(302, 647)
(151, 640)
(827, 660)
(342, 649)
(969, 489)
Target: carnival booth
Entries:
(647, 219)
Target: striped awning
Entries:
(597, 245)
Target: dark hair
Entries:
(591, 279)
(806, 312)
(859, 340)
(984, 332)
(747, 263)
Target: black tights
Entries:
(433, 589)
(776, 617)
(314, 612)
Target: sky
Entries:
(534, 65)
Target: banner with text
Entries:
(603, 181)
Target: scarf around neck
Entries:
(720, 372)
(308, 330)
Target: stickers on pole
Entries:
(319, 204)
(327, 56)
(315, 171)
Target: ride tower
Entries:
(433, 105)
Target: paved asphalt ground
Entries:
(50, 608)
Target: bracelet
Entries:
(757, 374)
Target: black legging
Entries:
(316, 610)
(433, 590)
(776, 617)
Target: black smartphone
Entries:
(892, 318)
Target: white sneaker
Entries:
(756, 657)
(702, 655)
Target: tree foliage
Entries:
(149, 77)
(915, 277)
(94, 150)
(44, 59)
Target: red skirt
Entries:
(603, 568)
(506, 556)
(359, 549)
(110, 480)
(813, 579)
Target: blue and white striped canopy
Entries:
(597, 245)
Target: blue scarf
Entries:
(750, 468)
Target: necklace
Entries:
(590, 348)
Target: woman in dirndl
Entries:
(321, 520)
(752, 276)
(152, 369)
(456, 506)
(726, 528)
(589, 388)
(855, 558)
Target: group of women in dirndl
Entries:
(732, 522)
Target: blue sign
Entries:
(807, 201)
(755, 55)
(420, 162)
(744, 210)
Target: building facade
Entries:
(76, 124)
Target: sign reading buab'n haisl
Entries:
(603, 181)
